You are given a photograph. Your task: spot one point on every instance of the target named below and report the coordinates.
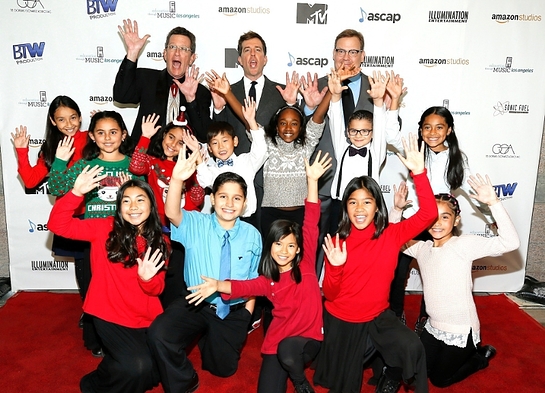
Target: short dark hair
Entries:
(183, 31)
(361, 114)
(219, 127)
(229, 177)
(248, 36)
(350, 33)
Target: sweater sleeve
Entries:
(310, 232)
(31, 175)
(154, 286)
(331, 285)
(140, 162)
(62, 180)
(246, 288)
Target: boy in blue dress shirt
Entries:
(213, 243)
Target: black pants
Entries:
(127, 366)
(175, 286)
(448, 364)
(220, 342)
(293, 354)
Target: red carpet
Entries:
(42, 350)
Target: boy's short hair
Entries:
(217, 127)
(230, 177)
(360, 114)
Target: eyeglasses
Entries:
(172, 48)
(351, 52)
(354, 132)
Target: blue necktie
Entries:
(225, 272)
(228, 162)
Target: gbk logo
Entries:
(231, 58)
(312, 14)
(36, 227)
(505, 190)
(100, 6)
(24, 51)
(502, 148)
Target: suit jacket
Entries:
(150, 89)
(326, 145)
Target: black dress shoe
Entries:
(303, 387)
(98, 352)
(488, 351)
(387, 385)
(194, 384)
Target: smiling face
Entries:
(252, 58)
(66, 120)
(229, 203)
(222, 145)
(108, 136)
(178, 60)
(345, 59)
(361, 208)
(173, 142)
(434, 132)
(441, 230)
(288, 125)
(284, 251)
(135, 206)
(360, 140)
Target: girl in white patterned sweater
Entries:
(452, 332)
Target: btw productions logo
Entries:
(312, 14)
(97, 9)
(505, 191)
(378, 17)
(28, 52)
(33, 227)
(313, 61)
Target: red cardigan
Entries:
(358, 291)
(297, 307)
(116, 294)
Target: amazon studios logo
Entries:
(33, 6)
(315, 14)
(502, 150)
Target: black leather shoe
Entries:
(98, 352)
(80, 322)
(303, 387)
(194, 384)
(488, 351)
(387, 385)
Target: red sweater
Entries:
(116, 294)
(33, 175)
(159, 173)
(297, 307)
(358, 291)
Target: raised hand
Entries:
(129, 34)
(309, 90)
(216, 83)
(248, 111)
(88, 179)
(149, 127)
(400, 196)
(20, 138)
(414, 158)
(65, 148)
(484, 189)
(335, 86)
(289, 93)
(378, 85)
(202, 291)
(150, 265)
(192, 80)
(336, 254)
(320, 165)
(348, 72)
(185, 166)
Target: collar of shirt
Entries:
(258, 87)
(220, 231)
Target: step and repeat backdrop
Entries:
(483, 60)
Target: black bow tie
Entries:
(352, 151)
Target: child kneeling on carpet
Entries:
(288, 279)
(128, 252)
(452, 332)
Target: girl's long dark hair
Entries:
(381, 216)
(280, 229)
(121, 243)
(52, 134)
(454, 171)
(271, 132)
(91, 150)
(156, 144)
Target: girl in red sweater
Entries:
(360, 267)
(288, 279)
(128, 252)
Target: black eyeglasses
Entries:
(354, 132)
(351, 52)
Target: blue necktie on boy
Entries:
(222, 309)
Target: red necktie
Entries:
(174, 89)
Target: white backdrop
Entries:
(484, 60)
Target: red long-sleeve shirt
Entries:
(358, 291)
(116, 294)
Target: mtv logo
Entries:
(312, 13)
(231, 58)
(41, 188)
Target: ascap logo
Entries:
(378, 61)
(30, 6)
(311, 14)
(432, 62)
(507, 67)
(232, 11)
(28, 52)
(97, 9)
(378, 17)
(170, 13)
(501, 108)
(33, 227)
(448, 16)
(505, 18)
(312, 61)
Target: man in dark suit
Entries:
(163, 91)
